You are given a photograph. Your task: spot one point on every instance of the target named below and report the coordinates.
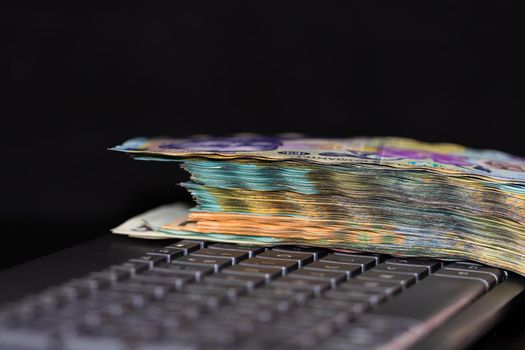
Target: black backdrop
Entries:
(84, 76)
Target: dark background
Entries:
(83, 76)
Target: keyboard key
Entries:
(355, 307)
(131, 268)
(170, 284)
(246, 313)
(418, 271)
(285, 293)
(497, 273)
(251, 250)
(144, 290)
(230, 291)
(362, 296)
(247, 281)
(431, 265)
(187, 246)
(170, 277)
(168, 253)
(350, 270)
(486, 278)
(365, 262)
(300, 258)
(316, 252)
(150, 260)
(233, 255)
(377, 286)
(280, 306)
(316, 286)
(216, 263)
(333, 277)
(176, 312)
(113, 275)
(87, 285)
(198, 272)
(404, 279)
(209, 300)
(268, 273)
(284, 265)
(378, 257)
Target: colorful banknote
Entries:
(385, 195)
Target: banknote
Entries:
(385, 151)
(171, 221)
(385, 195)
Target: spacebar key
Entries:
(430, 303)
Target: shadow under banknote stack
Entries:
(385, 195)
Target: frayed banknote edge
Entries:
(148, 225)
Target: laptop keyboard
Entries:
(198, 295)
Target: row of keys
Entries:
(194, 286)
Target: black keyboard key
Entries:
(216, 263)
(131, 267)
(229, 291)
(114, 275)
(377, 286)
(418, 271)
(316, 252)
(233, 255)
(268, 273)
(150, 260)
(247, 313)
(251, 250)
(486, 278)
(170, 277)
(468, 266)
(247, 281)
(404, 279)
(75, 289)
(356, 307)
(170, 314)
(431, 265)
(333, 277)
(168, 253)
(210, 300)
(284, 265)
(250, 301)
(190, 275)
(298, 296)
(87, 284)
(312, 316)
(378, 257)
(113, 296)
(144, 290)
(300, 258)
(359, 296)
(364, 261)
(198, 272)
(316, 286)
(104, 279)
(186, 246)
(350, 270)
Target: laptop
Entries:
(122, 293)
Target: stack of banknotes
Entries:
(386, 195)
